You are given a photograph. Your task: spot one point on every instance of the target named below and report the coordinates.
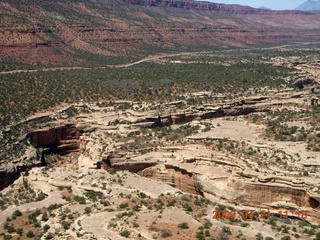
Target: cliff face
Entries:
(263, 193)
(8, 173)
(243, 107)
(68, 32)
(174, 176)
(62, 140)
(258, 193)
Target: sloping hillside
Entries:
(59, 33)
(310, 5)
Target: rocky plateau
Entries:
(158, 119)
(169, 152)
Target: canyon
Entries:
(181, 150)
(147, 119)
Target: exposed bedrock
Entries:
(242, 107)
(172, 175)
(259, 194)
(220, 187)
(119, 162)
(61, 140)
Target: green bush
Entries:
(123, 205)
(46, 227)
(125, 233)
(200, 236)
(44, 217)
(226, 229)
(142, 195)
(183, 225)
(20, 231)
(80, 200)
(49, 236)
(7, 237)
(259, 236)
(10, 229)
(16, 213)
(187, 207)
(207, 225)
(30, 234)
(87, 210)
(66, 225)
(286, 238)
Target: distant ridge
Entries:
(209, 6)
(78, 31)
(310, 5)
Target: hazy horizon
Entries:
(272, 4)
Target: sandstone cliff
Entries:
(62, 140)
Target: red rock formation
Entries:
(174, 176)
(146, 23)
(258, 194)
(61, 140)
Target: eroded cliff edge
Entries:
(191, 159)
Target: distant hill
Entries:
(263, 7)
(310, 5)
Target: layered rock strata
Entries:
(61, 140)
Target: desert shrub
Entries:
(80, 200)
(259, 236)
(125, 233)
(226, 229)
(16, 213)
(187, 207)
(66, 225)
(123, 205)
(44, 217)
(165, 233)
(30, 234)
(183, 225)
(87, 210)
(286, 238)
(46, 227)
